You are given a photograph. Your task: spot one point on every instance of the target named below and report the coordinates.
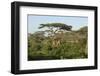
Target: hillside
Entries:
(70, 45)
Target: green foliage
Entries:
(52, 25)
(73, 45)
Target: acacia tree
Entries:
(55, 32)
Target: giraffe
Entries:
(57, 39)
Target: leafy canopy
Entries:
(56, 25)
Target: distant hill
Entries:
(74, 36)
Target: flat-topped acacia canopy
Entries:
(57, 25)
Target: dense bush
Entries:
(73, 46)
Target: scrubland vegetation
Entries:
(58, 41)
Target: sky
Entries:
(76, 22)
